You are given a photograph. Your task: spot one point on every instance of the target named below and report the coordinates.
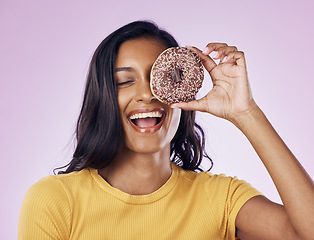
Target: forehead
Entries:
(142, 50)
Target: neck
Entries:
(138, 173)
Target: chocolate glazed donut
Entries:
(177, 75)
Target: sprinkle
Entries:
(162, 83)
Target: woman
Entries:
(121, 183)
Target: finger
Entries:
(237, 57)
(224, 51)
(221, 49)
(206, 60)
(213, 47)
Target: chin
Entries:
(148, 146)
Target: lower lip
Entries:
(148, 129)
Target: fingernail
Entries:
(206, 51)
(216, 54)
(223, 60)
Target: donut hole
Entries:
(176, 75)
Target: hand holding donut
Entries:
(231, 94)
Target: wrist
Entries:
(244, 118)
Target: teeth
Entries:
(146, 115)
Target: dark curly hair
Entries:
(99, 128)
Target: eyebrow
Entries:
(128, 69)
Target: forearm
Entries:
(294, 185)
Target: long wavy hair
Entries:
(99, 128)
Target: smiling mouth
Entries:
(148, 121)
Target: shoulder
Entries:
(46, 188)
(211, 181)
(54, 193)
(219, 187)
(58, 185)
(224, 195)
(47, 206)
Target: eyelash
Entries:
(126, 82)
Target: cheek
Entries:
(123, 102)
(123, 99)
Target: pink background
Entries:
(46, 47)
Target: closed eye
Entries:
(125, 83)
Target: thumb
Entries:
(195, 105)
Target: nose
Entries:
(143, 91)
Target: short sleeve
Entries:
(45, 212)
(226, 196)
(239, 193)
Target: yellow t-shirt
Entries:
(82, 205)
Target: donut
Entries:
(177, 75)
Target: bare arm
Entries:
(231, 99)
(295, 220)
